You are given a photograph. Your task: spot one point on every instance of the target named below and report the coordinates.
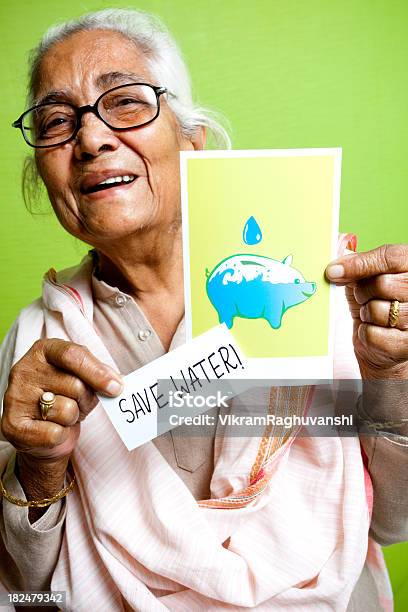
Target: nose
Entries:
(93, 138)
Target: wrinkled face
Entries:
(78, 70)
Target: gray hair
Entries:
(164, 59)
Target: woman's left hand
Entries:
(373, 280)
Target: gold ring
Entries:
(47, 400)
(394, 312)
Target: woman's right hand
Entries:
(74, 375)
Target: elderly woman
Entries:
(175, 524)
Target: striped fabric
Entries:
(285, 401)
(286, 526)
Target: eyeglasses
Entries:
(121, 108)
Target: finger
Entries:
(48, 378)
(387, 259)
(377, 312)
(61, 450)
(27, 433)
(354, 307)
(385, 286)
(64, 411)
(78, 360)
(391, 343)
(69, 386)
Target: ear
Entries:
(288, 260)
(199, 139)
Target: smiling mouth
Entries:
(114, 181)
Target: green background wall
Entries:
(287, 74)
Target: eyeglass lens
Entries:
(123, 108)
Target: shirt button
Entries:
(144, 334)
(120, 300)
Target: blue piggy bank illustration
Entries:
(254, 287)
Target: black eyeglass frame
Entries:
(89, 108)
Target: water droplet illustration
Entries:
(252, 232)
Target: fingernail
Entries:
(114, 387)
(335, 271)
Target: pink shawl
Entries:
(136, 539)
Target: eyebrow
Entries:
(110, 79)
(61, 95)
(103, 81)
